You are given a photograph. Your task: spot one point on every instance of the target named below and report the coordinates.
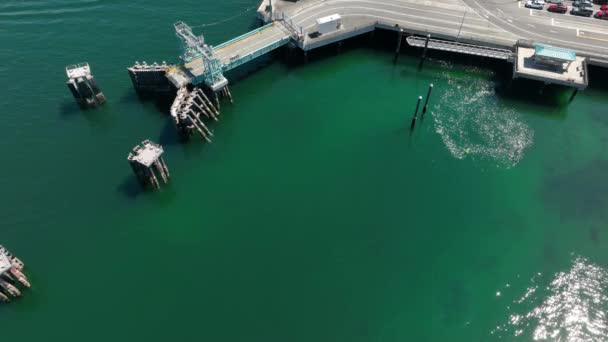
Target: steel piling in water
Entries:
(415, 114)
(399, 40)
(426, 102)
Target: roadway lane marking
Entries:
(589, 35)
(553, 31)
(561, 21)
(509, 20)
(499, 10)
(530, 25)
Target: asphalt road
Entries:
(498, 21)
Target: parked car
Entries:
(601, 15)
(554, 1)
(558, 8)
(604, 8)
(534, 5)
(578, 3)
(583, 12)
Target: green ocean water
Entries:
(314, 215)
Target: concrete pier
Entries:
(148, 165)
(82, 85)
(150, 79)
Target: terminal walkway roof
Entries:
(555, 52)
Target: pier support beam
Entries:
(399, 40)
(426, 46)
(426, 102)
(415, 117)
(573, 95)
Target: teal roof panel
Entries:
(555, 52)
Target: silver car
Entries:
(534, 5)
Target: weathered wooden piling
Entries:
(83, 86)
(229, 94)
(186, 112)
(399, 40)
(146, 162)
(217, 100)
(428, 97)
(415, 117)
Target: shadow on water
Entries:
(168, 134)
(100, 116)
(131, 189)
(578, 194)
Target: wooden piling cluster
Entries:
(83, 86)
(148, 164)
(149, 79)
(187, 111)
(11, 276)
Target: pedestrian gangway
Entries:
(202, 63)
(469, 49)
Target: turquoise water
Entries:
(314, 215)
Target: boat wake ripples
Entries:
(472, 123)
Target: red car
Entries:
(601, 15)
(604, 8)
(558, 8)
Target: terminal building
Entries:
(550, 64)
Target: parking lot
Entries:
(584, 34)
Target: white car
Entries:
(534, 5)
(540, 2)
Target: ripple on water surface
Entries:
(473, 123)
(572, 307)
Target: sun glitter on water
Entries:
(572, 307)
(473, 123)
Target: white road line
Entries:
(552, 21)
(509, 20)
(553, 31)
(499, 10)
(531, 25)
(577, 32)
